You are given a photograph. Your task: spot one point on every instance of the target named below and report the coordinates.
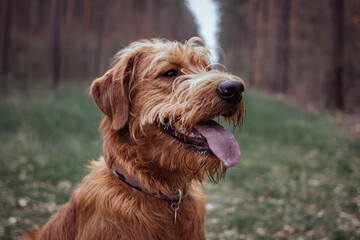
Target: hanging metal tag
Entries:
(175, 207)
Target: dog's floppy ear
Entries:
(111, 93)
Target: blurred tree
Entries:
(147, 26)
(33, 23)
(70, 11)
(55, 43)
(262, 50)
(334, 83)
(281, 63)
(101, 14)
(300, 40)
(33, 16)
(253, 29)
(85, 22)
(234, 34)
(4, 43)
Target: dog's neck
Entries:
(176, 195)
(149, 173)
(131, 158)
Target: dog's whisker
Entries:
(178, 150)
(172, 142)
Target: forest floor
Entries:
(298, 178)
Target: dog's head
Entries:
(165, 95)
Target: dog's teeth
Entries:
(202, 152)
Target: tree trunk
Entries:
(55, 43)
(70, 11)
(334, 83)
(34, 7)
(262, 66)
(4, 44)
(101, 14)
(254, 10)
(300, 42)
(31, 33)
(86, 11)
(147, 30)
(282, 46)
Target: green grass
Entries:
(298, 178)
(45, 142)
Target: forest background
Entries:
(306, 49)
(299, 173)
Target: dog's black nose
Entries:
(230, 91)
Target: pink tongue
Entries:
(221, 142)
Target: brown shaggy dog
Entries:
(158, 100)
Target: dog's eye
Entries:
(171, 73)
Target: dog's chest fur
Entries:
(102, 198)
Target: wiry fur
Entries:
(136, 98)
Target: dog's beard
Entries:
(179, 156)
